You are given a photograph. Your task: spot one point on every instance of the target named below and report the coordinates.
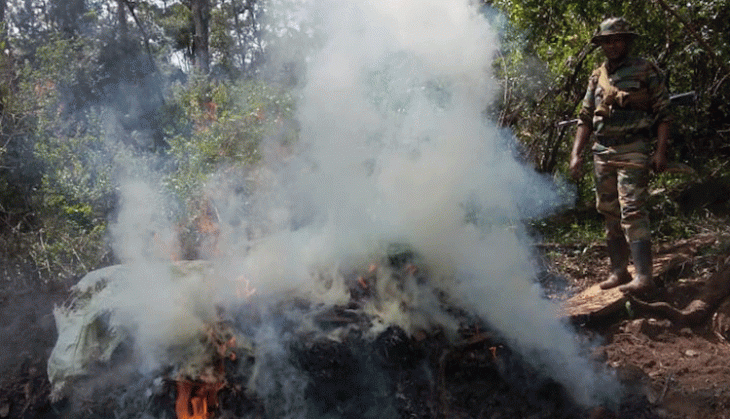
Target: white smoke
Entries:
(158, 307)
(394, 147)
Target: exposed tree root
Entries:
(713, 293)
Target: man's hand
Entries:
(659, 162)
(576, 155)
(659, 159)
(576, 166)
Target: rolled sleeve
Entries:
(588, 105)
(660, 96)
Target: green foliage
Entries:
(234, 38)
(65, 96)
(63, 125)
(582, 225)
(59, 163)
(547, 57)
(544, 64)
(682, 205)
(175, 21)
(210, 125)
(228, 123)
(222, 40)
(6, 93)
(69, 250)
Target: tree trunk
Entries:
(122, 17)
(4, 67)
(67, 15)
(201, 18)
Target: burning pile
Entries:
(328, 361)
(324, 316)
(197, 395)
(95, 334)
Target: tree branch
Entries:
(130, 6)
(693, 31)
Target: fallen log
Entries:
(594, 302)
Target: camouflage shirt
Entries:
(641, 78)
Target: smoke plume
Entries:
(394, 148)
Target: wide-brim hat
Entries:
(613, 26)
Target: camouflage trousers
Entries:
(622, 179)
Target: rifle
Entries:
(672, 167)
(679, 99)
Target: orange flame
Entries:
(196, 400)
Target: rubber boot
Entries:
(618, 254)
(643, 280)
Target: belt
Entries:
(614, 140)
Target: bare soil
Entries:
(682, 371)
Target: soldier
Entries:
(625, 106)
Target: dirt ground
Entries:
(27, 335)
(676, 371)
(683, 372)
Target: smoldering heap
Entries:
(375, 267)
(294, 358)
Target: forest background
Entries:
(187, 86)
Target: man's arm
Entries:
(659, 159)
(661, 107)
(576, 156)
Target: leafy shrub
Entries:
(226, 125)
(75, 149)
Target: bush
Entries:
(73, 151)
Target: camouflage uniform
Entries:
(625, 137)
